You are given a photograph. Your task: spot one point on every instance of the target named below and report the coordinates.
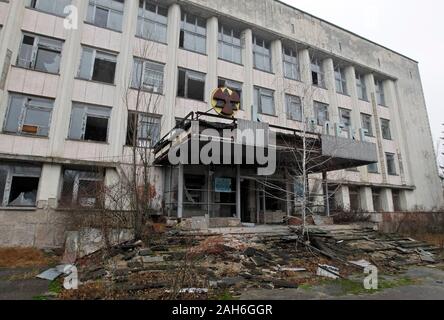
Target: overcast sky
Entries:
(412, 27)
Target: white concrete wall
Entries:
(406, 106)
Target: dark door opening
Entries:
(23, 192)
(245, 213)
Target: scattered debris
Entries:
(328, 271)
(361, 263)
(194, 290)
(54, 273)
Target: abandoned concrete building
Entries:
(66, 70)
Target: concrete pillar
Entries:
(180, 186)
(171, 73)
(238, 192)
(406, 200)
(49, 186)
(387, 200)
(397, 133)
(370, 83)
(328, 67)
(342, 198)
(213, 54)
(247, 58)
(119, 116)
(278, 69)
(61, 114)
(366, 199)
(325, 192)
(305, 64)
(9, 36)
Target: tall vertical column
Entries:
(9, 36)
(387, 200)
(247, 58)
(370, 84)
(212, 52)
(342, 198)
(329, 71)
(278, 68)
(305, 64)
(366, 199)
(238, 192)
(399, 137)
(180, 186)
(171, 73)
(49, 186)
(61, 114)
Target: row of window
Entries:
(31, 116)
(152, 25)
(19, 185)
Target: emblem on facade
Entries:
(226, 102)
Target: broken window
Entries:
(321, 113)
(106, 14)
(345, 118)
(380, 96)
(19, 185)
(28, 115)
(291, 63)
(81, 188)
(367, 124)
(230, 48)
(317, 73)
(152, 21)
(233, 85)
(193, 33)
(191, 85)
(340, 80)
(262, 54)
(385, 128)
(391, 165)
(264, 101)
(377, 201)
(147, 76)
(40, 53)
(144, 129)
(361, 87)
(294, 108)
(97, 65)
(355, 201)
(49, 6)
(373, 168)
(89, 123)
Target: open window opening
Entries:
(89, 123)
(191, 85)
(81, 188)
(19, 185)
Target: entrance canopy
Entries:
(322, 153)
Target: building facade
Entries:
(67, 99)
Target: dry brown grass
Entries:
(435, 239)
(24, 258)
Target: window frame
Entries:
(31, 4)
(194, 33)
(142, 79)
(222, 43)
(391, 158)
(341, 80)
(290, 100)
(233, 85)
(361, 87)
(345, 126)
(388, 137)
(370, 132)
(266, 55)
(24, 109)
(93, 62)
(74, 197)
(143, 142)
(86, 115)
(317, 105)
(142, 19)
(188, 74)
(369, 168)
(380, 93)
(316, 67)
(36, 47)
(260, 92)
(93, 3)
(292, 61)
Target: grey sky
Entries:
(412, 27)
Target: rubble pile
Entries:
(197, 266)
